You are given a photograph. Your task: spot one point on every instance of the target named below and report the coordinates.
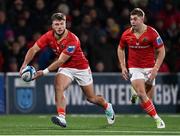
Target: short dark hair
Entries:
(58, 16)
(137, 11)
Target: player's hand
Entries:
(39, 73)
(125, 73)
(153, 74)
(22, 67)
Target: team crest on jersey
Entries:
(159, 40)
(144, 39)
(62, 46)
(71, 48)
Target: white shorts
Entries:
(82, 77)
(141, 73)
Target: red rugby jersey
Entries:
(69, 45)
(141, 51)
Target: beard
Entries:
(58, 36)
(135, 28)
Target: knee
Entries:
(59, 88)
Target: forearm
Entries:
(159, 58)
(29, 56)
(121, 57)
(56, 64)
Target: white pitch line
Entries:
(123, 115)
(123, 131)
(117, 115)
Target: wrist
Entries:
(45, 71)
(123, 66)
(24, 65)
(156, 68)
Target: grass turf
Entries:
(87, 125)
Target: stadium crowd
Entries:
(98, 24)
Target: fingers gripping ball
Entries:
(28, 73)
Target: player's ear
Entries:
(52, 25)
(142, 18)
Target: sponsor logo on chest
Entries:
(139, 44)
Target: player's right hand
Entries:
(38, 74)
(125, 74)
(22, 67)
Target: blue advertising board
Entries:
(39, 96)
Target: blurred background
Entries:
(98, 23)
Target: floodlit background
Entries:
(98, 24)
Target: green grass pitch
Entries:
(87, 125)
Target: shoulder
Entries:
(72, 37)
(47, 35)
(45, 39)
(152, 30)
(127, 32)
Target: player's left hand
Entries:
(39, 73)
(153, 74)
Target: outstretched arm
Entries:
(29, 56)
(61, 60)
(57, 63)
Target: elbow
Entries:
(119, 50)
(164, 54)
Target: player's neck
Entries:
(141, 29)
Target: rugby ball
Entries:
(28, 73)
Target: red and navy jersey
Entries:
(141, 51)
(69, 45)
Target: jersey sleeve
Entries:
(122, 42)
(70, 48)
(157, 41)
(43, 40)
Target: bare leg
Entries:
(99, 100)
(61, 84)
(150, 91)
(146, 103)
(139, 86)
(91, 97)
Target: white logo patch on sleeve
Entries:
(159, 40)
(70, 48)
